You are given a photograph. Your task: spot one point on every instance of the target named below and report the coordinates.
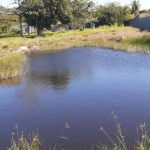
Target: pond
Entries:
(80, 86)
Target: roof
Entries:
(144, 15)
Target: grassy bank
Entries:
(10, 65)
(117, 38)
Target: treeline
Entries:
(76, 14)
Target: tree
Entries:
(112, 13)
(43, 13)
(108, 14)
(123, 15)
(15, 11)
(31, 11)
(80, 12)
(135, 7)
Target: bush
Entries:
(14, 32)
(3, 28)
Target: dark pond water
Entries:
(81, 86)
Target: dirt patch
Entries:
(115, 35)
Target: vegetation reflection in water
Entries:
(58, 81)
(13, 81)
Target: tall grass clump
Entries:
(119, 143)
(24, 141)
(10, 65)
(141, 40)
(143, 142)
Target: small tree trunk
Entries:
(28, 30)
(37, 28)
(20, 21)
(40, 32)
(73, 22)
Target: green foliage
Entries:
(81, 12)
(7, 21)
(141, 40)
(112, 13)
(14, 32)
(42, 14)
(135, 6)
(10, 65)
(74, 13)
(3, 28)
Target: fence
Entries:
(141, 22)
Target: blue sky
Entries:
(145, 4)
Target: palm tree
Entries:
(135, 6)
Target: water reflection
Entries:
(11, 81)
(57, 69)
(57, 81)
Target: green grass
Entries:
(10, 65)
(117, 38)
(142, 40)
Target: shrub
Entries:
(14, 32)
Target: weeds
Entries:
(142, 143)
(120, 144)
(10, 65)
(21, 142)
(32, 141)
